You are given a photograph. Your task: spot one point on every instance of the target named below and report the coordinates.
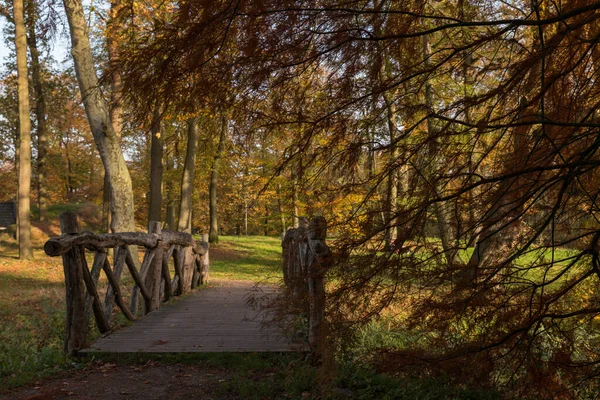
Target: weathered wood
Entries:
(306, 258)
(75, 324)
(166, 274)
(217, 319)
(175, 283)
(95, 273)
(138, 280)
(188, 267)
(178, 261)
(113, 287)
(101, 322)
(153, 277)
(152, 280)
(196, 275)
(148, 257)
(118, 296)
(59, 245)
(181, 238)
(204, 261)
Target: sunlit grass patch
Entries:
(256, 258)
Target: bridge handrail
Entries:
(306, 259)
(152, 279)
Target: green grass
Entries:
(32, 315)
(256, 258)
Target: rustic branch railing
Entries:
(151, 280)
(306, 258)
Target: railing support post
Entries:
(155, 271)
(306, 258)
(73, 264)
(204, 261)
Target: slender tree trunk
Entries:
(187, 178)
(295, 217)
(98, 113)
(25, 250)
(40, 110)
(439, 209)
(170, 217)
(116, 81)
(213, 235)
(266, 221)
(106, 216)
(156, 169)
(280, 208)
(391, 232)
(245, 216)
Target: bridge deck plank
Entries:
(212, 319)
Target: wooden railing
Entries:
(306, 258)
(152, 279)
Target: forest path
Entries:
(217, 318)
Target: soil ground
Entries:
(149, 381)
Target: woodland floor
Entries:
(152, 380)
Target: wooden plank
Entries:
(215, 319)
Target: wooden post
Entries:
(318, 260)
(75, 329)
(154, 274)
(188, 267)
(204, 261)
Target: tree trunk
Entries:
(170, 217)
(391, 231)
(116, 84)
(280, 208)
(187, 178)
(25, 250)
(439, 209)
(295, 217)
(106, 217)
(40, 110)
(213, 235)
(156, 169)
(97, 110)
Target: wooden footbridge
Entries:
(217, 318)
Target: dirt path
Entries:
(153, 380)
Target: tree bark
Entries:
(40, 110)
(391, 231)
(295, 216)
(25, 250)
(280, 208)
(187, 178)
(156, 169)
(97, 110)
(213, 235)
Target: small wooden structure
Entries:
(8, 214)
(152, 279)
(306, 258)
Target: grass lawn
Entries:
(255, 258)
